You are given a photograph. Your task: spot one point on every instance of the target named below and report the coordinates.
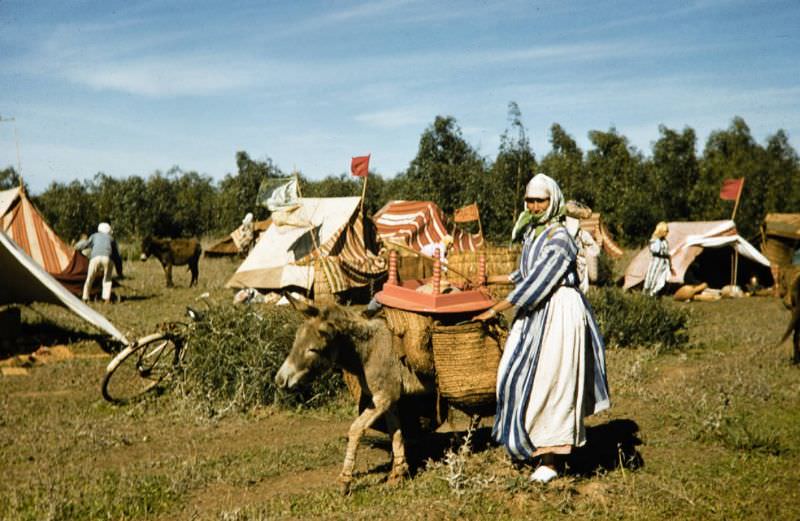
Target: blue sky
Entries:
(127, 88)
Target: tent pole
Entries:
(735, 266)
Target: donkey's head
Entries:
(313, 347)
(147, 247)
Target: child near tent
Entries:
(660, 265)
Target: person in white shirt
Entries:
(443, 247)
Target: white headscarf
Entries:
(540, 186)
(544, 186)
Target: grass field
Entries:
(708, 432)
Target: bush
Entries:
(234, 355)
(634, 319)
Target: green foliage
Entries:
(675, 171)
(447, 169)
(634, 319)
(9, 178)
(235, 353)
(564, 163)
(513, 168)
(619, 180)
(237, 193)
(69, 209)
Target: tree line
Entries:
(633, 191)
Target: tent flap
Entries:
(25, 281)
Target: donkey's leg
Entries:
(168, 272)
(362, 423)
(399, 464)
(194, 270)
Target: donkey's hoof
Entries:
(344, 484)
(398, 475)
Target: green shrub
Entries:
(634, 319)
(605, 270)
(234, 355)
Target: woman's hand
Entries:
(486, 315)
(498, 279)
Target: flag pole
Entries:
(364, 193)
(735, 251)
(738, 195)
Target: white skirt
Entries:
(554, 413)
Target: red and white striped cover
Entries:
(417, 223)
(26, 227)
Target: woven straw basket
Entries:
(466, 359)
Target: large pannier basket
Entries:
(466, 358)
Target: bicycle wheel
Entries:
(140, 367)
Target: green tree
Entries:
(9, 178)
(446, 169)
(620, 180)
(564, 163)
(237, 193)
(676, 170)
(732, 154)
(514, 166)
(68, 208)
(195, 199)
(783, 173)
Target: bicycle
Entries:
(146, 363)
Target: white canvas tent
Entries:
(686, 241)
(329, 229)
(25, 281)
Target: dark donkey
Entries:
(173, 252)
(337, 335)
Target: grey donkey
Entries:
(335, 334)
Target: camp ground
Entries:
(324, 245)
(710, 252)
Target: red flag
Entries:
(730, 189)
(359, 166)
(466, 214)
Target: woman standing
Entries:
(660, 265)
(552, 373)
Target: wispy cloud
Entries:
(395, 118)
(163, 76)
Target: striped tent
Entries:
(24, 225)
(322, 240)
(417, 223)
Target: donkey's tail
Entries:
(794, 323)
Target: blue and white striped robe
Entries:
(547, 265)
(658, 269)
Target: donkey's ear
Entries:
(306, 309)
